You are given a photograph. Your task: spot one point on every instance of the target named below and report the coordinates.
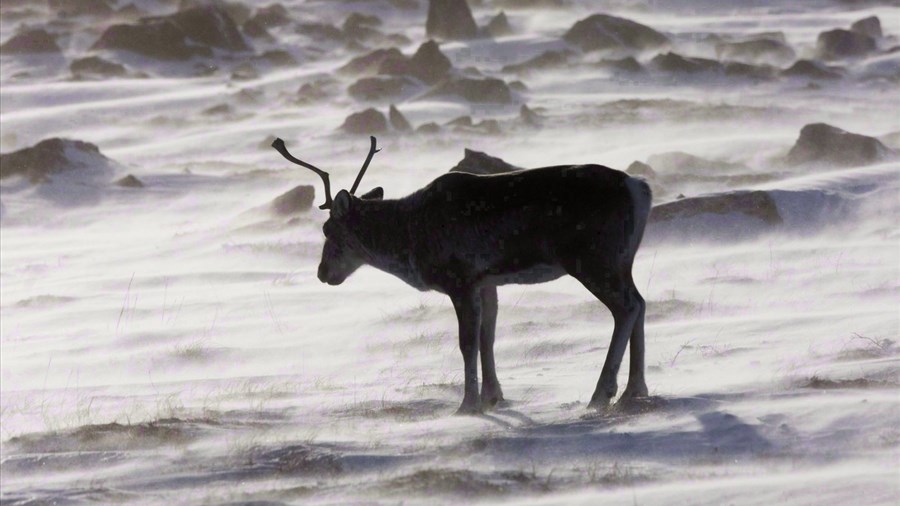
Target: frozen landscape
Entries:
(164, 338)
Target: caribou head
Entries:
(342, 254)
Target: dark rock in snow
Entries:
(398, 121)
(428, 128)
(72, 8)
(94, 67)
(476, 162)
(870, 26)
(499, 25)
(529, 117)
(641, 169)
(31, 41)
(756, 51)
(450, 19)
(627, 64)
(129, 181)
(52, 156)
(296, 200)
(271, 16)
(428, 64)
(601, 31)
(255, 29)
(812, 69)
(382, 88)
(176, 37)
(368, 122)
(836, 44)
(730, 215)
(824, 144)
(370, 63)
(356, 21)
(674, 62)
(543, 61)
(680, 162)
(490, 90)
(279, 58)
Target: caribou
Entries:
(465, 234)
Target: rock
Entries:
(398, 121)
(428, 128)
(756, 51)
(673, 62)
(428, 64)
(271, 16)
(627, 64)
(382, 88)
(476, 162)
(218, 110)
(738, 69)
(52, 156)
(601, 31)
(753, 204)
(368, 122)
(499, 26)
(129, 181)
(356, 22)
(812, 69)
(450, 19)
(279, 58)
(680, 162)
(255, 29)
(641, 169)
(543, 61)
(179, 36)
(529, 117)
(321, 31)
(31, 41)
(490, 90)
(294, 201)
(94, 67)
(836, 44)
(820, 143)
(72, 8)
(315, 91)
(870, 26)
(371, 62)
(239, 12)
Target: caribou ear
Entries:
(374, 194)
(341, 204)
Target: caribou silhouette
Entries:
(465, 234)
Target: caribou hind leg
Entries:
(491, 393)
(467, 304)
(615, 289)
(637, 386)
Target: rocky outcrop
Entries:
(382, 88)
(641, 169)
(368, 122)
(294, 201)
(499, 26)
(674, 62)
(605, 32)
(870, 26)
(680, 162)
(428, 64)
(813, 69)
(398, 120)
(129, 181)
(756, 51)
(180, 36)
(838, 43)
(94, 67)
(483, 91)
(451, 20)
(31, 41)
(824, 144)
(543, 61)
(476, 162)
(52, 156)
(72, 8)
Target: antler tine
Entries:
(365, 166)
(279, 146)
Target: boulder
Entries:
(129, 181)
(838, 43)
(271, 16)
(279, 58)
(476, 162)
(52, 156)
(499, 26)
(368, 122)
(543, 61)
(72, 8)
(382, 88)
(370, 63)
(31, 41)
(314, 91)
(731, 213)
(641, 169)
(398, 121)
(94, 67)
(626, 64)
(673, 62)
(294, 201)
(451, 20)
(428, 64)
(870, 26)
(820, 143)
(490, 90)
(602, 31)
(179, 36)
(361, 27)
(812, 69)
(428, 128)
(680, 162)
(529, 117)
(756, 51)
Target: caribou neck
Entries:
(383, 231)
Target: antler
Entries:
(365, 166)
(278, 144)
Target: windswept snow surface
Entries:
(171, 344)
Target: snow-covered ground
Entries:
(171, 344)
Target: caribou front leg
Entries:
(468, 311)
